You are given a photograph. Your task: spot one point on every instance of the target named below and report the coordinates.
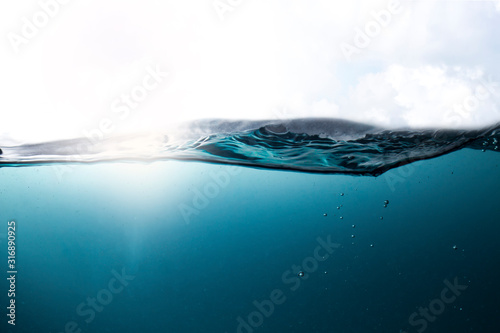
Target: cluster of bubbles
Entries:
(386, 203)
(301, 274)
(494, 143)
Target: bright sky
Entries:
(71, 68)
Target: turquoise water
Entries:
(175, 246)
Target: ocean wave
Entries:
(306, 145)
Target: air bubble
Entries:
(455, 247)
(371, 245)
(342, 194)
(381, 217)
(353, 236)
(354, 226)
(341, 217)
(325, 214)
(301, 274)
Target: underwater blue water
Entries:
(174, 246)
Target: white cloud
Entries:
(264, 55)
(425, 96)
